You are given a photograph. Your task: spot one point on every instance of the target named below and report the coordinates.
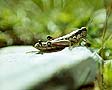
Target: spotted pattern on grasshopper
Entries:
(60, 43)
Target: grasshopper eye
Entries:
(48, 44)
(49, 37)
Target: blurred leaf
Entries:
(40, 4)
(108, 73)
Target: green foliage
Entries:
(108, 74)
(24, 22)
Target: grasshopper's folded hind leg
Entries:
(73, 43)
(86, 43)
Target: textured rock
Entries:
(63, 70)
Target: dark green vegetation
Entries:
(24, 22)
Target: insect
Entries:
(51, 46)
(60, 43)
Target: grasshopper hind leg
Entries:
(72, 45)
(86, 43)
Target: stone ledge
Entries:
(64, 70)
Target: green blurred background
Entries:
(24, 22)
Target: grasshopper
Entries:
(60, 43)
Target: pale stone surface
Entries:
(20, 70)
